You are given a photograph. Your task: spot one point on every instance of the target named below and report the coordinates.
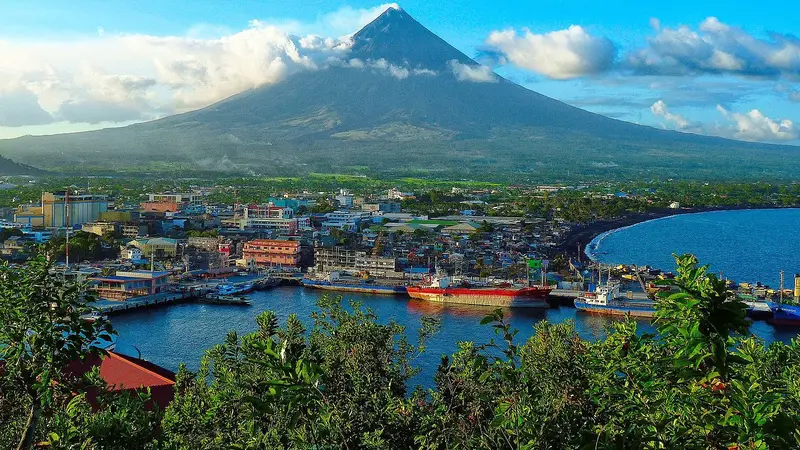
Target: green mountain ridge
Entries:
(365, 119)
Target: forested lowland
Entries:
(702, 382)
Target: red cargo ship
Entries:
(441, 290)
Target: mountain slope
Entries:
(9, 167)
(404, 110)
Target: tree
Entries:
(43, 331)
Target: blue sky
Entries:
(89, 64)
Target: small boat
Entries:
(216, 299)
(784, 314)
(234, 289)
(606, 299)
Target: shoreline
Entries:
(574, 245)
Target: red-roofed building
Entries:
(124, 373)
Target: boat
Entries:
(784, 314)
(216, 299)
(362, 286)
(606, 299)
(234, 289)
(444, 290)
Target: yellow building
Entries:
(99, 228)
(29, 215)
(116, 216)
(54, 213)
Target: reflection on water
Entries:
(171, 335)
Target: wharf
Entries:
(168, 298)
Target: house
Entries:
(132, 254)
(126, 374)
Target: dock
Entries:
(170, 298)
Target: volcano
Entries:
(403, 102)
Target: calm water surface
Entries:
(746, 245)
(170, 335)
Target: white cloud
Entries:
(476, 74)
(560, 55)
(660, 109)
(106, 77)
(20, 108)
(342, 22)
(755, 126)
(715, 47)
(751, 126)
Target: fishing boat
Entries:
(234, 289)
(444, 290)
(606, 299)
(335, 282)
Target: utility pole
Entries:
(67, 225)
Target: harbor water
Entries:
(181, 333)
(744, 245)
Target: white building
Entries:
(132, 254)
(190, 198)
(345, 220)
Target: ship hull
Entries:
(784, 315)
(507, 298)
(355, 288)
(643, 311)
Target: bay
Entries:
(744, 245)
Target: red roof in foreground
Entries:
(126, 373)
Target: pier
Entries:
(114, 307)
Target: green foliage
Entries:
(42, 332)
(702, 382)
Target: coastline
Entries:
(580, 236)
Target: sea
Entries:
(752, 245)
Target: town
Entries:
(185, 234)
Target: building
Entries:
(181, 198)
(331, 259)
(99, 228)
(268, 211)
(29, 216)
(131, 253)
(160, 248)
(159, 206)
(54, 213)
(82, 208)
(118, 216)
(388, 207)
(127, 285)
(345, 220)
(130, 230)
(125, 374)
(294, 203)
(270, 252)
